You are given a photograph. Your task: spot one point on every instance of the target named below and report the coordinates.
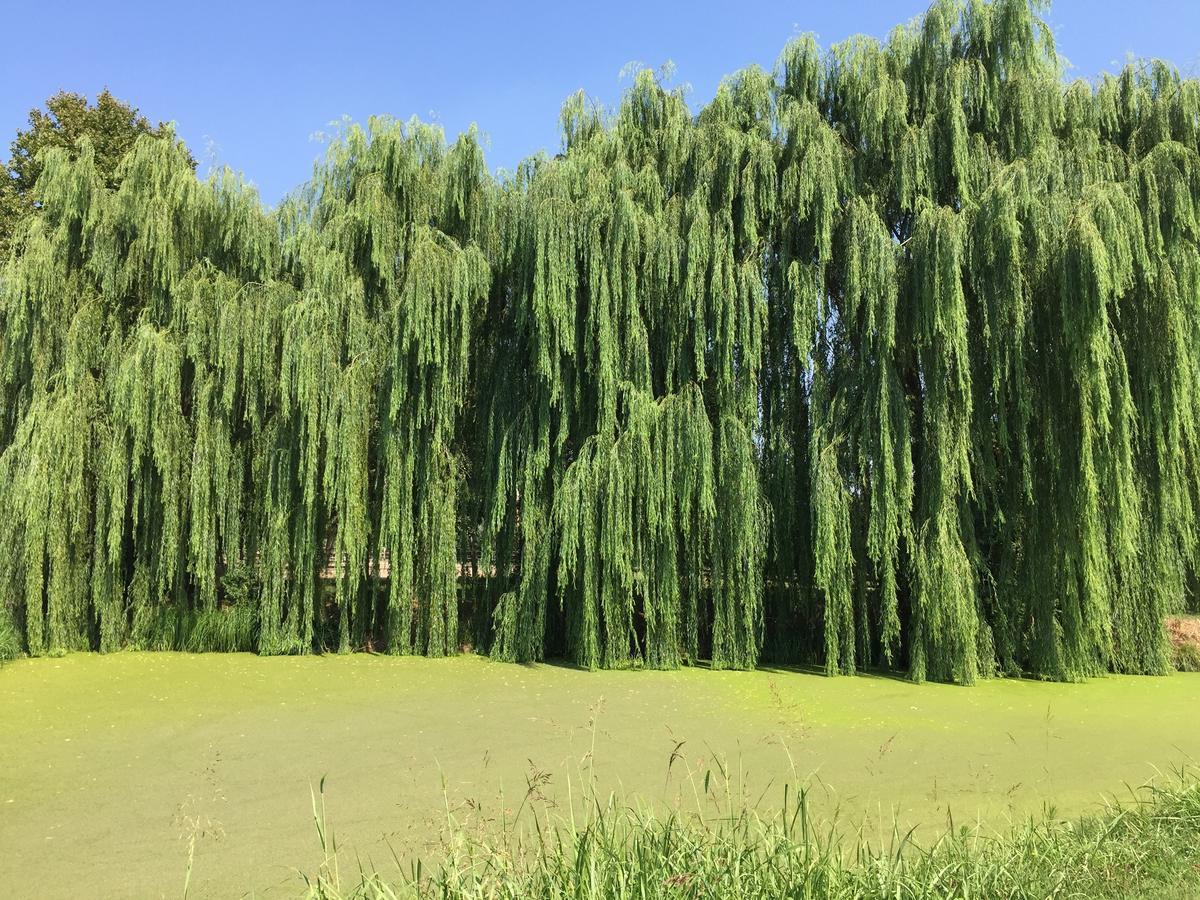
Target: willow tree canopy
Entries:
(890, 357)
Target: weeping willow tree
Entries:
(885, 358)
(118, 447)
(211, 408)
(376, 352)
(623, 413)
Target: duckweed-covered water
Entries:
(114, 765)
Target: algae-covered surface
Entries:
(115, 766)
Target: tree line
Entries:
(888, 357)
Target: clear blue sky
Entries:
(249, 84)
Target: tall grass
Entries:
(220, 629)
(223, 630)
(1186, 658)
(1144, 846)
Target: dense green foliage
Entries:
(885, 358)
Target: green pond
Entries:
(113, 766)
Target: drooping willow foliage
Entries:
(888, 358)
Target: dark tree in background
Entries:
(110, 124)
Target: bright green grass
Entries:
(113, 765)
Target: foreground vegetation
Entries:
(1148, 846)
(888, 357)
